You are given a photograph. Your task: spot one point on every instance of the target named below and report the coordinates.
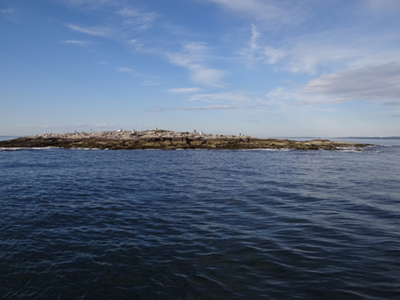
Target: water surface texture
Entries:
(79, 224)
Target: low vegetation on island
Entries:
(166, 140)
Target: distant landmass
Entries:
(371, 138)
(167, 140)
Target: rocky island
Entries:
(166, 140)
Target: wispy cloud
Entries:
(94, 30)
(177, 29)
(256, 52)
(10, 14)
(370, 83)
(137, 19)
(250, 53)
(192, 58)
(184, 90)
(270, 12)
(75, 42)
(337, 49)
(286, 98)
(194, 108)
(122, 17)
(92, 4)
(150, 83)
(334, 50)
(232, 97)
(272, 55)
(7, 11)
(211, 107)
(254, 36)
(205, 75)
(378, 83)
(125, 70)
(142, 45)
(310, 53)
(136, 74)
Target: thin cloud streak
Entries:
(149, 82)
(76, 42)
(194, 108)
(183, 90)
(93, 4)
(122, 18)
(211, 107)
(233, 97)
(134, 73)
(125, 70)
(94, 30)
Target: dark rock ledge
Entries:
(166, 140)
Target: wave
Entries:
(24, 148)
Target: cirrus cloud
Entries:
(233, 97)
(269, 12)
(137, 19)
(75, 42)
(93, 30)
(192, 57)
(379, 83)
(184, 90)
(370, 83)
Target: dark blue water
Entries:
(79, 224)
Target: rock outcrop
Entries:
(167, 140)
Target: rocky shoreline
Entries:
(166, 140)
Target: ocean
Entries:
(200, 224)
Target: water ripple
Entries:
(199, 225)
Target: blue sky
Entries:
(267, 68)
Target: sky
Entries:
(265, 68)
